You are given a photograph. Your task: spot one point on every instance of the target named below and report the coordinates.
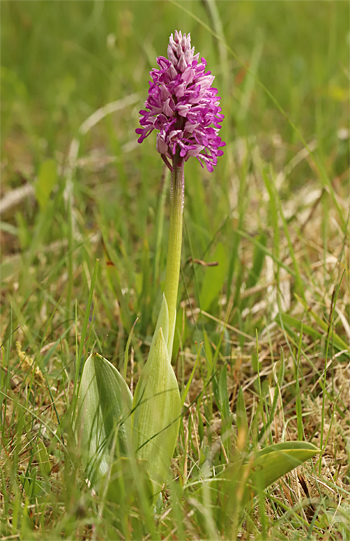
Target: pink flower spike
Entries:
(183, 106)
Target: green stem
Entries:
(174, 247)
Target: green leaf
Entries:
(127, 482)
(240, 482)
(269, 464)
(46, 181)
(104, 407)
(157, 408)
(214, 278)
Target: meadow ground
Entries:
(84, 221)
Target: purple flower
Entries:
(183, 106)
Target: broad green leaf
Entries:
(214, 278)
(46, 181)
(156, 410)
(104, 407)
(269, 464)
(241, 482)
(127, 482)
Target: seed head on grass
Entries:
(183, 107)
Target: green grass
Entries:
(84, 254)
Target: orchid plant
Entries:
(183, 107)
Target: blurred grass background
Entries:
(61, 62)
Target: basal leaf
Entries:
(156, 411)
(104, 406)
(270, 464)
(242, 481)
(127, 482)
